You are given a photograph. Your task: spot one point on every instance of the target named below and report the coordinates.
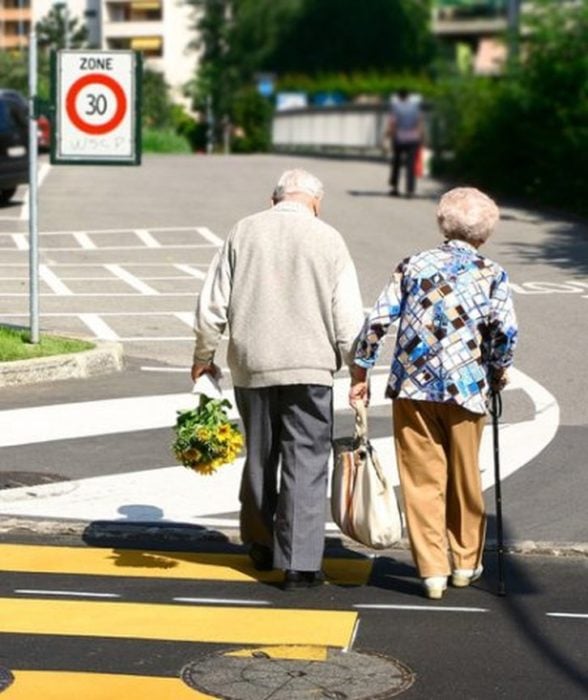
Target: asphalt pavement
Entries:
(123, 255)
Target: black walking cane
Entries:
(496, 411)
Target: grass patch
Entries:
(164, 141)
(15, 345)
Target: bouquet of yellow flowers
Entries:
(205, 438)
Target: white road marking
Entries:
(186, 317)
(435, 608)
(53, 281)
(129, 263)
(580, 616)
(42, 173)
(149, 240)
(199, 274)
(119, 247)
(210, 236)
(158, 339)
(105, 294)
(20, 241)
(131, 280)
(98, 327)
(221, 601)
(80, 594)
(84, 240)
(75, 314)
(183, 496)
(165, 369)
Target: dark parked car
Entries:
(14, 163)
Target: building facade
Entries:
(474, 31)
(15, 24)
(161, 30)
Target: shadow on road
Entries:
(565, 246)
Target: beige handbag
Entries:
(363, 502)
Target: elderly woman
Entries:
(456, 336)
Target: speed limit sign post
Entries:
(96, 102)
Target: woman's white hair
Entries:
(298, 181)
(467, 214)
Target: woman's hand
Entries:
(359, 389)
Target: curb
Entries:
(105, 358)
(104, 532)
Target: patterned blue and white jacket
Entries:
(457, 326)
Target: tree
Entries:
(526, 133)
(350, 36)
(156, 104)
(238, 38)
(58, 30)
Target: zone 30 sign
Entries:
(95, 96)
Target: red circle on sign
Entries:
(82, 124)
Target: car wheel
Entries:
(6, 195)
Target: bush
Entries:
(193, 131)
(525, 134)
(252, 115)
(353, 85)
(164, 141)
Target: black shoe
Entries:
(262, 557)
(302, 579)
(393, 192)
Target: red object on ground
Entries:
(419, 166)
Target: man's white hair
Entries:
(298, 181)
(467, 214)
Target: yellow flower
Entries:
(203, 434)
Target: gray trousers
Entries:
(290, 427)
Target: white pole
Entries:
(33, 194)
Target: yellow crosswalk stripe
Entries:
(66, 685)
(97, 561)
(227, 625)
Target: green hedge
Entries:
(353, 85)
(164, 141)
(525, 134)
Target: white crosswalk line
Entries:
(20, 241)
(53, 281)
(186, 317)
(194, 272)
(131, 280)
(98, 326)
(149, 240)
(209, 236)
(84, 240)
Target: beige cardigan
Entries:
(285, 286)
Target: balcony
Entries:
(462, 18)
(15, 14)
(134, 11)
(128, 30)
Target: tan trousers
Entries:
(437, 449)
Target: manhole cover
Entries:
(19, 486)
(259, 676)
(6, 678)
(15, 480)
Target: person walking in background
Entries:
(456, 336)
(405, 130)
(285, 286)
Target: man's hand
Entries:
(200, 368)
(360, 389)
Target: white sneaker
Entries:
(460, 578)
(435, 587)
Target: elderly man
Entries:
(287, 289)
(456, 336)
